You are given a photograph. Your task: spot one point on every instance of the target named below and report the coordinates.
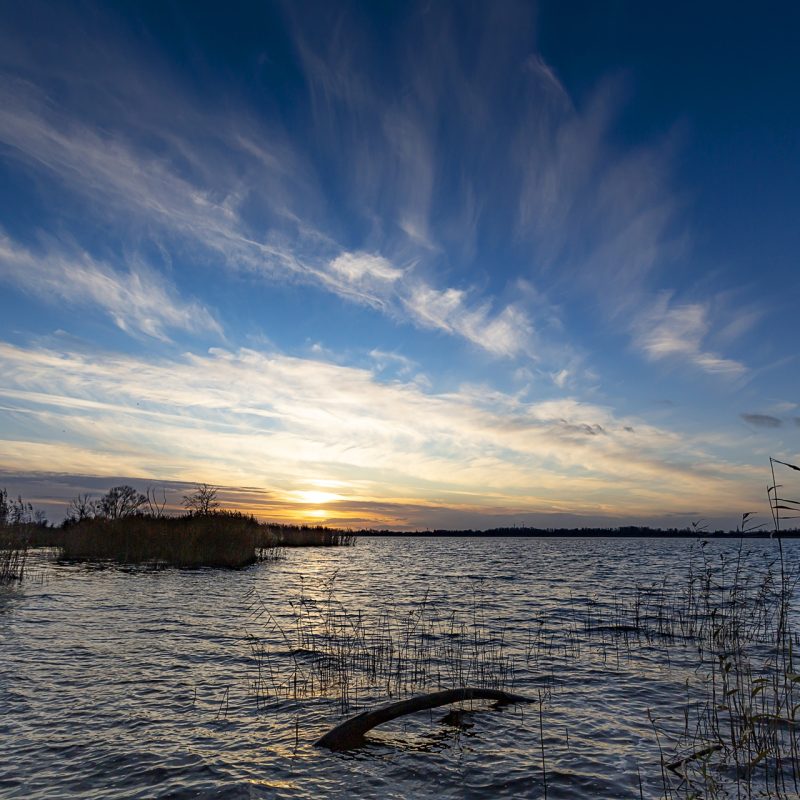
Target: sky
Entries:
(397, 264)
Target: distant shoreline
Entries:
(584, 533)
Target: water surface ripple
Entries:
(138, 684)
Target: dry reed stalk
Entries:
(356, 657)
(14, 540)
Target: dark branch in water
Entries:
(351, 732)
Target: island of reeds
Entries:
(124, 526)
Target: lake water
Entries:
(185, 683)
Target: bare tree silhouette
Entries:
(81, 507)
(202, 501)
(121, 501)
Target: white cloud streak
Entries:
(210, 218)
(138, 300)
(668, 331)
(416, 174)
(509, 333)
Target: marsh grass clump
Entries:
(741, 731)
(14, 543)
(216, 539)
(740, 719)
(18, 525)
(127, 527)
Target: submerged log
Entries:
(351, 732)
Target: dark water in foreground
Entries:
(140, 684)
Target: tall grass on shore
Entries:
(127, 526)
(217, 539)
(355, 657)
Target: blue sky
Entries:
(400, 264)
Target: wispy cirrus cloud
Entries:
(507, 333)
(211, 218)
(407, 201)
(603, 217)
(668, 331)
(588, 217)
(384, 360)
(138, 299)
(373, 280)
(357, 267)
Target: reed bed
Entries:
(218, 539)
(737, 733)
(310, 536)
(17, 523)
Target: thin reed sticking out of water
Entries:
(356, 657)
(737, 731)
